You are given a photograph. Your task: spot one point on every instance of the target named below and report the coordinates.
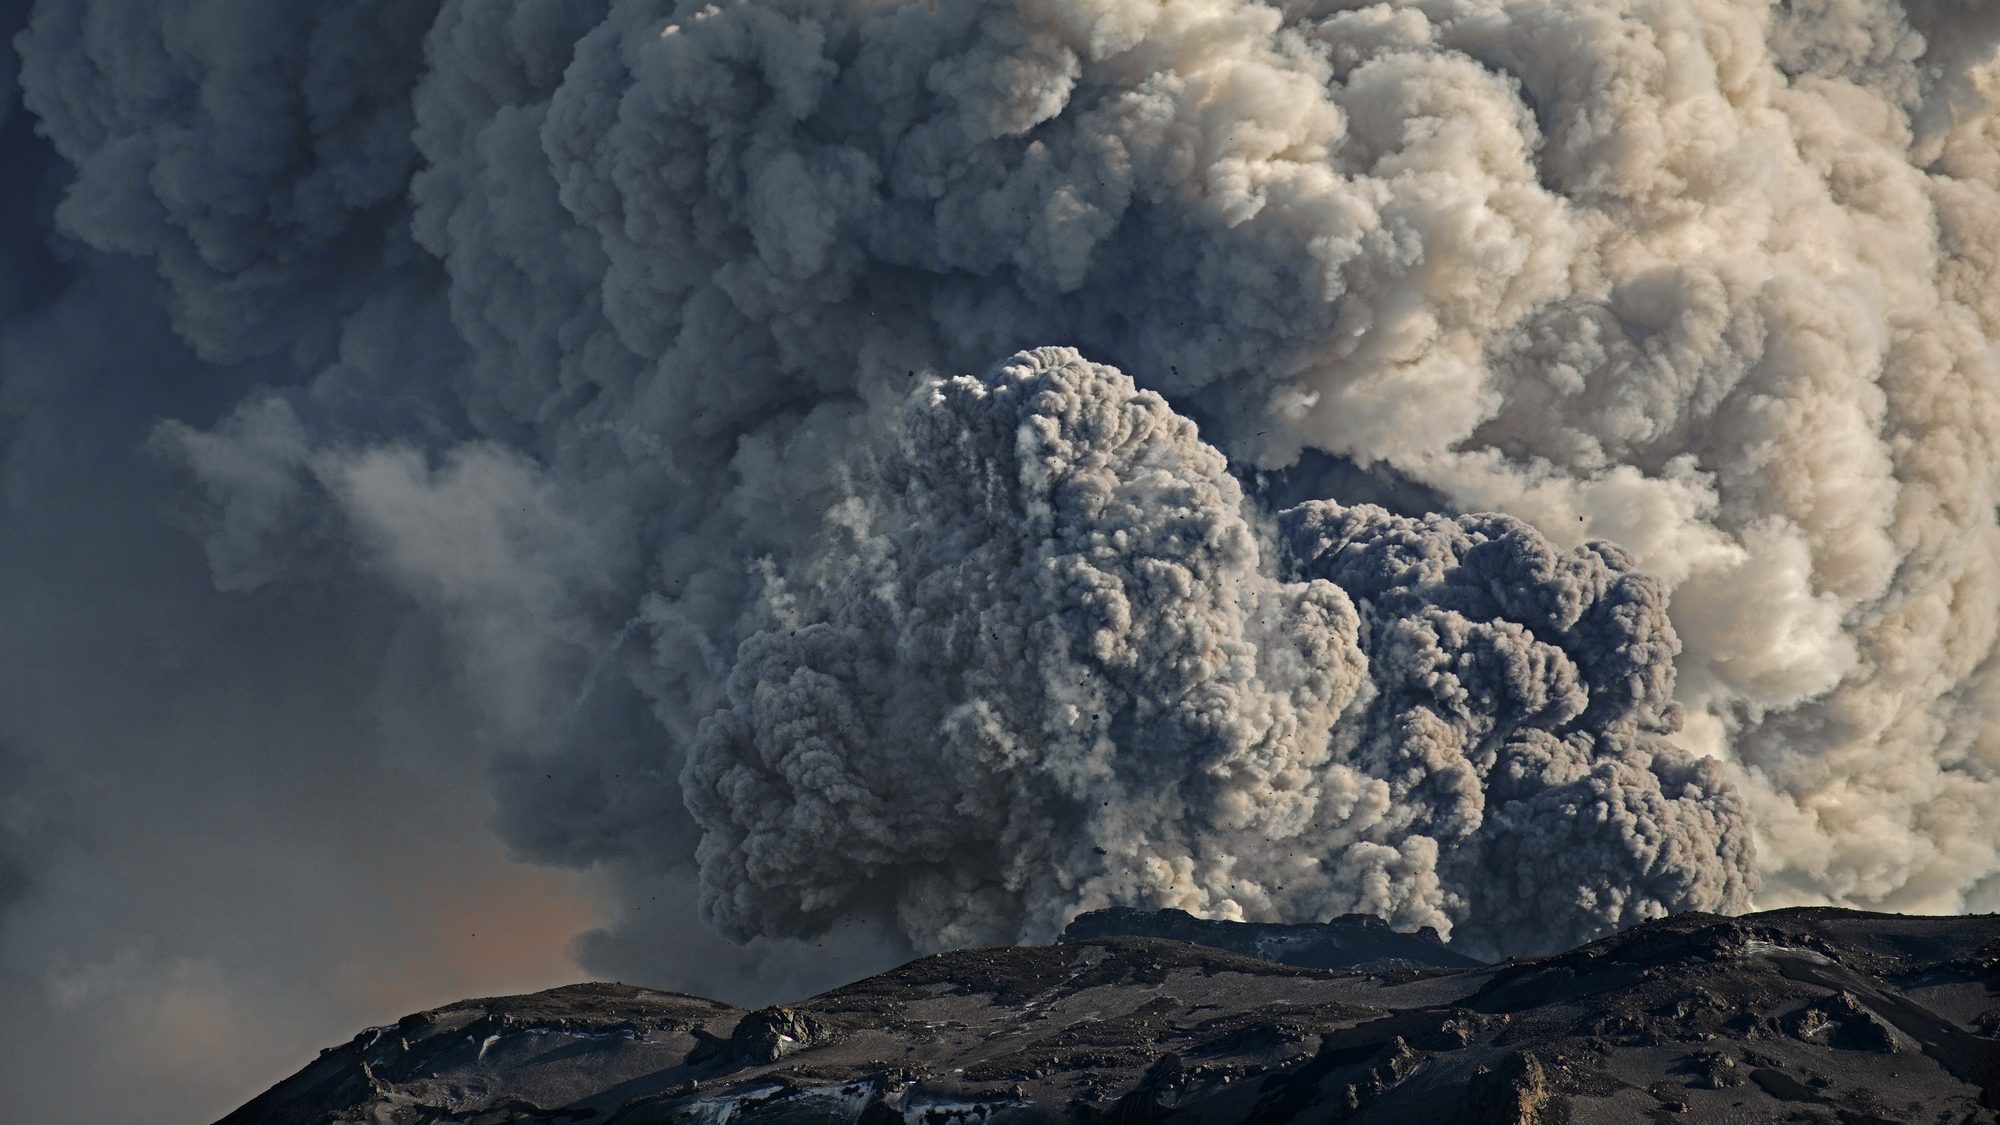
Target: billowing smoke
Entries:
(620, 340)
(1044, 663)
(1523, 696)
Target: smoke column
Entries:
(1045, 664)
(884, 475)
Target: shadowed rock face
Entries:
(1353, 941)
(1808, 1015)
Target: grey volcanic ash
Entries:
(1047, 661)
(1552, 479)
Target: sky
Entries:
(727, 497)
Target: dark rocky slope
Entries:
(1799, 1015)
(1356, 941)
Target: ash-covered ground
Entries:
(1795, 1015)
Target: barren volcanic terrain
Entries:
(1795, 1015)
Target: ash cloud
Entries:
(1044, 663)
(1041, 665)
(581, 336)
(1522, 714)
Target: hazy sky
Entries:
(224, 845)
(490, 484)
(233, 828)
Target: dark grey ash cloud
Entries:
(1044, 662)
(1522, 712)
(1041, 664)
(539, 336)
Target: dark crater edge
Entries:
(1808, 1015)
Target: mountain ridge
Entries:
(1804, 1014)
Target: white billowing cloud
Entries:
(629, 301)
(484, 538)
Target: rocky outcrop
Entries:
(1352, 941)
(1813, 1015)
(763, 1036)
